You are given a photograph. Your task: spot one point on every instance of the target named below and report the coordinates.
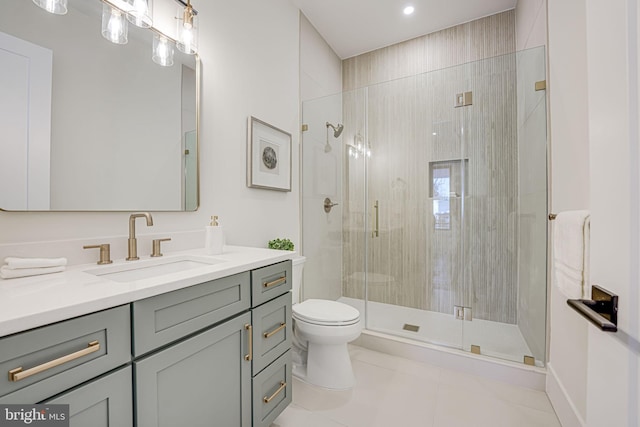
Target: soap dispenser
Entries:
(214, 240)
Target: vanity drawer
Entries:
(62, 355)
(272, 390)
(269, 282)
(104, 402)
(271, 331)
(168, 317)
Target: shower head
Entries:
(337, 130)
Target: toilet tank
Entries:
(297, 267)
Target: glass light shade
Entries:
(141, 13)
(162, 51)
(114, 25)
(187, 31)
(59, 7)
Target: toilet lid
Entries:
(325, 312)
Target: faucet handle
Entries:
(105, 252)
(156, 246)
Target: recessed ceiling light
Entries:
(409, 10)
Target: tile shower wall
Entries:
(412, 130)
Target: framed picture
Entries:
(268, 156)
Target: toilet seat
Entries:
(326, 313)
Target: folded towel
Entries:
(571, 253)
(8, 273)
(16, 263)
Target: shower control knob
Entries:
(328, 204)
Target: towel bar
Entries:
(601, 309)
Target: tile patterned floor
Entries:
(395, 392)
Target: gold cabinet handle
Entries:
(275, 331)
(249, 357)
(18, 374)
(275, 282)
(270, 398)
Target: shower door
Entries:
(415, 203)
(438, 229)
(505, 232)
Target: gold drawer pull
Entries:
(275, 331)
(270, 398)
(275, 282)
(18, 374)
(249, 357)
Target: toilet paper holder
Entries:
(601, 309)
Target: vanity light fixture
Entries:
(187, 29)
(141, 13)
(162, 50)
(114, 25)
(58, 7)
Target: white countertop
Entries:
(30, 302)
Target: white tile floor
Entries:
(394, 392)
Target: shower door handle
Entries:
(376, 228)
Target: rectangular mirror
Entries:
(88, 125)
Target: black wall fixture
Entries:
(601, 309)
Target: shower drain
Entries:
(411, 328)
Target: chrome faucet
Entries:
(133, 243)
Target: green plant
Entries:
(281, 244)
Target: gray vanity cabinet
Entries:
(213, 354)
(83, 362)
(166, 318)
(189, 351)
(105, 402)
(272, 329)
(49, 360)
(202, 381)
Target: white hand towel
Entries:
(17, 263)
(571, 253)
(8, 273)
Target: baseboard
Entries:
(561, 402)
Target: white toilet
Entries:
(321, 331)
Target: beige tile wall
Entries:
(409, 123)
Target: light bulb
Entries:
(140, 13)
(187, 30)
(162, 51)
(114, 26)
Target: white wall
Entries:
(613, 396)
(320, 76)
(250, 56)
(569, 179)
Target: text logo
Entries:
(34, 415)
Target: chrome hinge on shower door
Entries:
(462, 313)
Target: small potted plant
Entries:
(281, 244)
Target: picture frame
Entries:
(268, 156)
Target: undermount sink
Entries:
(146, 269)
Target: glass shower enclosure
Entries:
(440, 229)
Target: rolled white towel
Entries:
(8, 273)
(14, 263)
